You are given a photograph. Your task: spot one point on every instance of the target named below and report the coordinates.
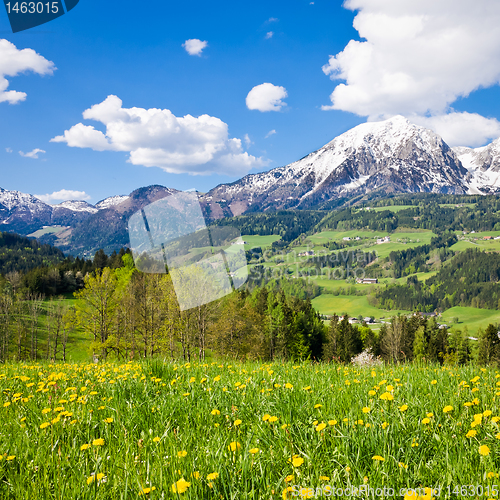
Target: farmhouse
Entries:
(367, 280)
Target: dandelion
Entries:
(44, 425)
(472, 433)
(215, 412)
(6, 404)
(266, 417)
(371, 393)
(98, 442)
(10, 457)
(324, 478)
(402, 465)
(289, 478)
(146, 491)
(182, 454)
(434, 382)
(403, 407)
(234, 445)
(288, 386)
(426, 420)
(378, 458)
(213, 476)
(385, 425)
(93, 477)
(84, 447)
(366, 410)
(237, 422)
(287, 490)
(108, 420)
(320, 427)
(414, 494)
(296, 461)
(273, 419)
(387, 396)
(447, 409)
(253, 451)
(156, 439)
(317, 406)
(484, 450)
(180, 486)
(332, 422)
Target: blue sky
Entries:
(438, 63)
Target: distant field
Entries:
(259, 241)
(47, 230)
(471, 317)
(351, 304)
(326, 236)
(454, 205)
(394, 208)
(476, 241)
(420, 276)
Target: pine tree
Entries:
(419, 344)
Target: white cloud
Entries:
(9, 150)
(194, 46)
(266, 97)
(270, 133)
(32, 154)
(272, 20)
(63, 195)
(416, 58)
(13, 62)
(158, 138)
(461, 129)
(248, 141)
(269, 35)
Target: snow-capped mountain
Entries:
(20, 209)
(391, 156)
(111, 202)
(76, 206)
(483, 165)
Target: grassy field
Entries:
(243, 431)
(47, 230)
(353, 305)
(471, 317)
(259, 241)
(392, 208)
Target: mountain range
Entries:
(376, 158)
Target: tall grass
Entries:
(154, 427)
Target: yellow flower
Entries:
(387, 396)
(403, 407)
(213, 476)
(215, 412)
(447, 409)
(366, 409)
(487, 413)
(324, 478)
(10, 457)
(378, 458)
(287, 490)
(46, 410)
(273, 419)
(7, 404)
(414, 494)
(289, 478)
(389, 388)
(426, 420)
(471, 434)
(180, 486)
(402, 465)
(434, 382)
(233, 446)
(385, 425)
(182, 454)
(44, 425)
(237, 422)
(320, 427)
(371, 393)
(308, 388)
(318, 406)
(108, 420)
(253, 451)
(98, 442)
(288, 386)
(484, 450)
(156, 439)
(296, 461)
(216, 379)
(196, 475)
(332, 422)
(84, 447)
(266, 417)
(93, 477)
(146, 491)
(430, 414)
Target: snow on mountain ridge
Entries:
(111, 201)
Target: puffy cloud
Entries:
(13, 62)
(461, 129)
(266, 97)
(32, 154)
(194, 46)
(269, 35)
(158, 138)
(63, 195)
(248, 141)
(9, 150)
(416, 58)
(270, 133)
